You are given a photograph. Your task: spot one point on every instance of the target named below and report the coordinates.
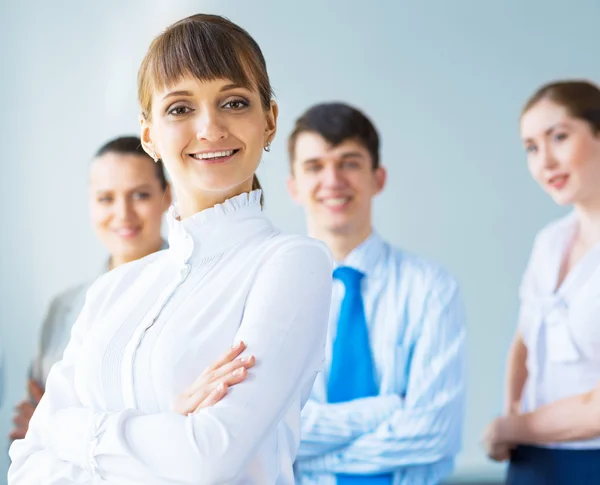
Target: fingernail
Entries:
(246, 359)
(237, 345)
(238, 372)
(221, 387)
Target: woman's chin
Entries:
(225, 185)
(564, 199)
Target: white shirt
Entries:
(148, 330)
(56, 328)
(560, 326)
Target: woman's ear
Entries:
(146, 138)
(271, 126)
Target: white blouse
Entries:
(148, 330)
(560, 326)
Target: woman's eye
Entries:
(179, 110)
(236, 104)
(560, 136)
(141, 195)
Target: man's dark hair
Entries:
(336, 123)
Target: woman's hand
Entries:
(496, 447)
(213, 383)
(24, 411)
(512, 408)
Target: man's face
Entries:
(335, 185)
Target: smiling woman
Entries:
(550, 431)
(207, 113)
(128, 195)
(137, 398)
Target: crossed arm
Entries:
(68, 443)
(381, 434)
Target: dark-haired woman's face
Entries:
(563, 153)
(211, 137)
(126, 205)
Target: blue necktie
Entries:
(352, 375)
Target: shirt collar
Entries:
(366, 256)
(212, 230)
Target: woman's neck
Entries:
(190, 204)
(588, 215)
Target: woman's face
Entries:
(563, 153)
(126, 205)
(210, 136)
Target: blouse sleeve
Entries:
(284, 324)
(31, 460)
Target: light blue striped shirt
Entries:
(416, 326)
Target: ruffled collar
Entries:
(213, 230)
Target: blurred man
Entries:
(389, 407)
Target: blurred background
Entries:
(443, 81)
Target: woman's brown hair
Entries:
(581, 99)
(206, 47)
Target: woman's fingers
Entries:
(220, 390)
(211, 386)
(225, 359)
(208, 394)
(25, 407)
(229, 368)
(215, 375)
(231, 379)
(35, 391)
(17, 434)
(228, 357)
(214, 397)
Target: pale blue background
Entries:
(443, 80)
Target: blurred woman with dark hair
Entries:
(128, 196)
